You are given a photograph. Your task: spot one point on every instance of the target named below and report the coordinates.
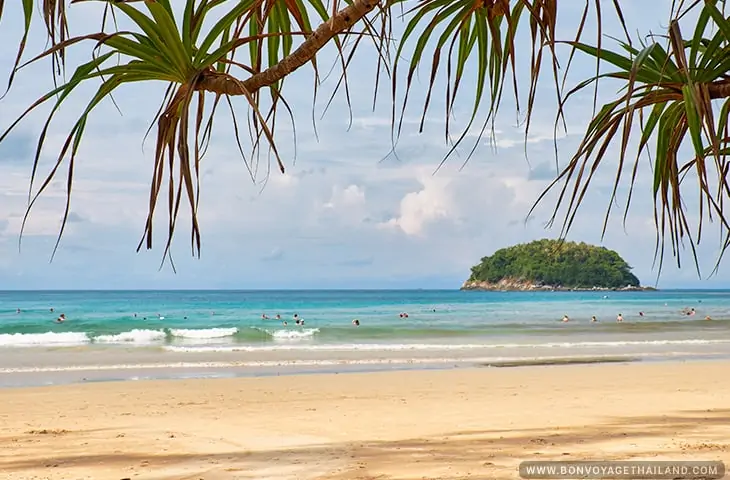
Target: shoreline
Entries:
(507, 286)
(154, 367)
(451, 424)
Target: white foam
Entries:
(48, 338)
(396, 347)
(204, 333)
(133, 336)
(293, 333)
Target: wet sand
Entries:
(445, 424)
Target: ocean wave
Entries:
(133, 336)
(40, 339)
(274, 339)
(203, 333)
(289, 333)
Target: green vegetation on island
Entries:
(552, 264)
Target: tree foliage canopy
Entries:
(676, 86)
(556, 263)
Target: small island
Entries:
(553, 265)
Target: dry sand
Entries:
(454, 424)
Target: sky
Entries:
(346, 214)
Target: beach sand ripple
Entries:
(454, 424)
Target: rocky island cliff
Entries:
(552, 265)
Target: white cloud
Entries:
(340, 215)
(349, 197)
(283, 180)
(420, 208)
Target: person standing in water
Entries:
(565, 319)
(620, 318)
(593, 319)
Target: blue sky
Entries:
(341, 217)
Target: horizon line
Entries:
(408, 289)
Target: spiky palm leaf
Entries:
(192, 57)
(250, 49)
(54, 17)
(255, 39)
(671, 87)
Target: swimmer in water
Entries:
(593, 319)
(264, 316)
(61, 318)
(356, 322)
(565, 319)
(708, 318)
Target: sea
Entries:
(132, 335)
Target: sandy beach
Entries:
(448, 424)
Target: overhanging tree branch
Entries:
(224, 84)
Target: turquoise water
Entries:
(188, 334)
(190, 321)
